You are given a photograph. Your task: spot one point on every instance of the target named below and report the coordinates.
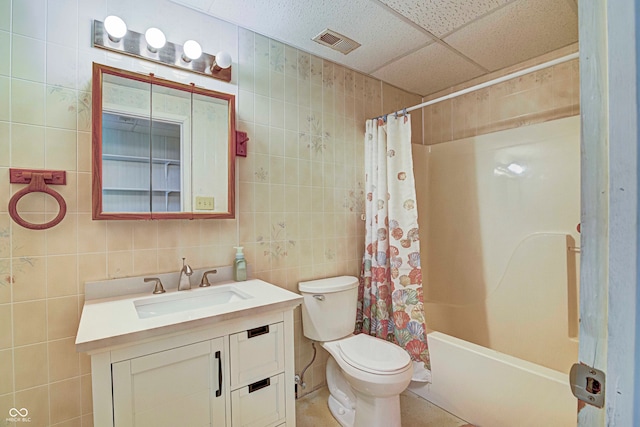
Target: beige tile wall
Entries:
(300, 188)
(537, 97)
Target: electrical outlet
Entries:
(204, 203)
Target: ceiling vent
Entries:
(336, 41)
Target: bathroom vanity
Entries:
(213, 356)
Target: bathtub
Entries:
(501, 261)
(491, 389)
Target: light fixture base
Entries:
(134, 44)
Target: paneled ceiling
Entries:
(421, 46)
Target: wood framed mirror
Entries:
(161, 149)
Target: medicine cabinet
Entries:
(161, 149)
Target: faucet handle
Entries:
(205, 280)
(159, 289)
(186, 268)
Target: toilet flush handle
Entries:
(319, 297)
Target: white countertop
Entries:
(114, 320)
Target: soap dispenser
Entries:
(239, 266)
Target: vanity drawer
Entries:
(259, 404)
(256, 354)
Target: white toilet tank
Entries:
(329, 307)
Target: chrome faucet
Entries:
(185, 284)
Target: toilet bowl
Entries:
(365, 375)
(376, 372)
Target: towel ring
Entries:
(37, 184)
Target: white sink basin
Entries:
(188, 300)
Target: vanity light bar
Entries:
(171, 54)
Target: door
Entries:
(609, 296)
(177, 387)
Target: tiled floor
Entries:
(312, 411)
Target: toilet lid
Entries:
(373, 355)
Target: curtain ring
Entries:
(38, 185)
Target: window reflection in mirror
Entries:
(161, 149)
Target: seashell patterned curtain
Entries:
(390, 302)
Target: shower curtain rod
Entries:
(488, 83)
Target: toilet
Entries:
(365, 375)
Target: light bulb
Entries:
(116, 28)
(223, 60)
(155, 39)
(192, 50)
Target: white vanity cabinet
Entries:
(235, 374)
(226, 364)
(238, 373)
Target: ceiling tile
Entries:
(440, 17)
(517, 32)
(395, 34)
(429, 70)
(383, 35)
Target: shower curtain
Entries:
(390, 303)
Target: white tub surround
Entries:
(228, 363)
(503, 252)
(502, 245)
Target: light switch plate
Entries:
(204, 203)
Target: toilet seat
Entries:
(373, 355)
